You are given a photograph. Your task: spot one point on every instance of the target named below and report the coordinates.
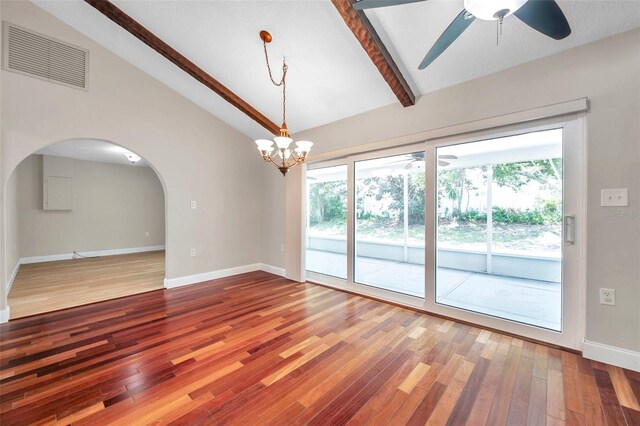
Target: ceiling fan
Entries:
(544, 16)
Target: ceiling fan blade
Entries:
(372, 4)
(447, 157)
(453, 31)
(545, 16)
(443, 163)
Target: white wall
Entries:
(608, 73)
(113, 207)
(197, 156)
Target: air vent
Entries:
(27, 52)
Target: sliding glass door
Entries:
(327, 221)
(499, 227)
(389, 223)
(485, 228)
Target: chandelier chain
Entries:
(282, 82)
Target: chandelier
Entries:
(288, 158)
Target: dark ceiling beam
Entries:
(362, 28)
(112, 12)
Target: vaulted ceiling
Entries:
(330, 75)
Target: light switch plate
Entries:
(614, 197)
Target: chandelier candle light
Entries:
(288, 158)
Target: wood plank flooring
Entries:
(257, 349)
(50, 286)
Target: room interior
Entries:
(83, 206)
(439, 224)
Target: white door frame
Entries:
(573, 259)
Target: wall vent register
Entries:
(36, 55)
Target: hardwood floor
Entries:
(50, 286)
(258, 349)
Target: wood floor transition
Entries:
(49, 286)
(258, 349)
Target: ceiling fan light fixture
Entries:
(491, 10)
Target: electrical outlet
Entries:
(282, 248)
(614, 197)
(146, 234)
(193, 252)
(607, 296)
(194, 205)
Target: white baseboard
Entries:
(221, 273)
(67, 256)
(272, 269)
(13, 276)
(612, 355)
(4, 315)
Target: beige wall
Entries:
(272, 217)
(4, 315)
(197, 156)
(12, 220)
(608, 73)
(113, 207)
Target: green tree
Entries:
(453, 184)
(327, 202)
(392, 189)
(517, 175)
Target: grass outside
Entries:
(516, 237)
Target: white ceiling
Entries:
(412, 29)
(90, 150)
(330, 77)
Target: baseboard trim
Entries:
(67, 256)
(13, 276)
(4, 315)
(221, 273)
(272, 269)
(613, 355)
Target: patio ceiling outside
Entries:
(512, 149)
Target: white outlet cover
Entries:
(193, 252)
(194, 205)
(614, 197)
(607, 296)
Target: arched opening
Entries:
(85, 221)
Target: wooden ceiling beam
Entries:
(115, 14)
(362, 28)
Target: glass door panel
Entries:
(390, 223)
(327, 221)
(499, 227)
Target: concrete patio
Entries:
(524, 300)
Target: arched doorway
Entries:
(85, 221)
